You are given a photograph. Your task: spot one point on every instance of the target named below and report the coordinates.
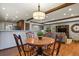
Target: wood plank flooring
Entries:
(69, 49)
(9, 52)
(65, 50)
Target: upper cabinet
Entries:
(20, 25)
(27, 26)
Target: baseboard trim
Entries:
(9, 48)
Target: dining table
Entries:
(40, 43)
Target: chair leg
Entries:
(53, 48)
(58, 48)
(24, 51)
(19, 51)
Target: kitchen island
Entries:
(7, 40)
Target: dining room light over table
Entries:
(39, 15)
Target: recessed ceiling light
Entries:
(64, 13)
(16, 16)
(70, 9)
(7, 14)
(72, 14)
(3, 8)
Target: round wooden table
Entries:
(40, 43)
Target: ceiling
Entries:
(18, 11)
(66, 12)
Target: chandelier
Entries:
(39, 14)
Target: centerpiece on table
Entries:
(40, 35)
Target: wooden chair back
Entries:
(19, 44)
(50, 34)
(57, 44)
(30, 34)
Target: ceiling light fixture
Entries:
(64, 13)
(3, 8)
(72, 14)
(16, 16)
(39, 14)
(6, 14)
(70, 9)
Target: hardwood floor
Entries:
(69, 49)
(65, 50)
(9, 52)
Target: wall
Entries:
(1, 26)
(34, 27)
(73, 35)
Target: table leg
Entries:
(39, 51)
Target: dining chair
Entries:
(24, 50)
(53, 48)
(19, 44)
(50, 34)
(30, 49)
(58, 42)
(30, 34)
(48, 49)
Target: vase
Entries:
(40, 37)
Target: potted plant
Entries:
(40, 35)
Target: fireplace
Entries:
(64, 29)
